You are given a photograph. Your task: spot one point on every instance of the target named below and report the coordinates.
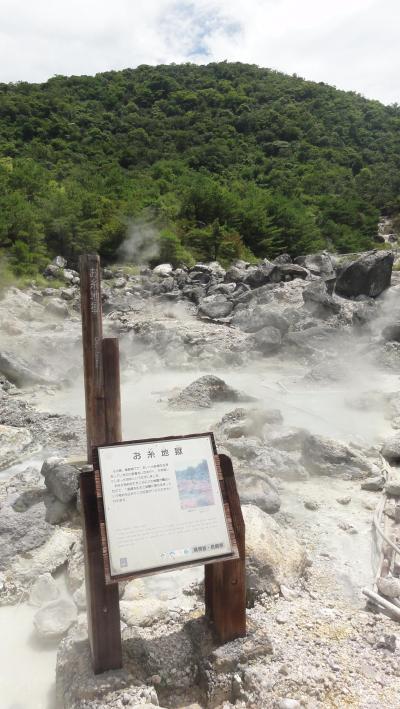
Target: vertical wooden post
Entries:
(92, 333)
(102, 600)
(225, 581)
(112, 390)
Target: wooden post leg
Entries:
(112, 390)
(102, 600)
(225, 583)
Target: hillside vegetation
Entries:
(222, 161)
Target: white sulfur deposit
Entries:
(303, 411)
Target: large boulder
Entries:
(326, 456)
(61, 479)
(59, 261)
(287, 272)
(368, 275)
(311, 338)
(215, 306)
(215, 268)
(273, 555)
(44, 590)
(43, 558)
(14, 444)
(318, 302)
(391, 333)
(257, 276)
(318, 264)
(143, 612)
(283, 258)
(235, 274)
(53, 619)
(256, 490)
(163, 270)
(196, 293)
(52, 271)
(203, 392)
(391, 448)
(266, 460)
(284, 438)
(267, 340)
(19, 372)
(246, 422)
(21, 532)
(254, 319)
(58, 308)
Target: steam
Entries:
(141, 245)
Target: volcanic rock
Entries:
(287, 271)
(57, 307)
(391, 448)
(318, 302)
(163, 269)
(267, 340)
(373, 484)
(53, 619)
(43, 590)
(326, 456)
(20, 532)
(392, 487)
(318, 264)
(18, 372)
(60, 478)
(389, 586)
(203, 392)
(391, 333)
(255, 490)
(370, 274)
(273, 554)
(14, 444)
(215, 306)
(258, 317)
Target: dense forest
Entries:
(220, 161)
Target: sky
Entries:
(351, 44)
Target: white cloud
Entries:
(352, 44)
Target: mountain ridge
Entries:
(223, 160)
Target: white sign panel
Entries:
(162, 503)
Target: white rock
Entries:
(14, 442)
(143, 612)
(134, 590)
(80, 597)
(274, 556)
(54, 619)
(389, 587)
(164, 270)
(43, 590)
(48, 557)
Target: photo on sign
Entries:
(194, 485)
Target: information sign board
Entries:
(162, 504)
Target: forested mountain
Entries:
(223, 160)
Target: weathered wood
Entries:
(112, 390)
(102, 600)
(225, 581)
(92, 333)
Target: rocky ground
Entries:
(295, 368)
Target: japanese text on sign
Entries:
(162, 503)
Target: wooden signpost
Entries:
(225, 593)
